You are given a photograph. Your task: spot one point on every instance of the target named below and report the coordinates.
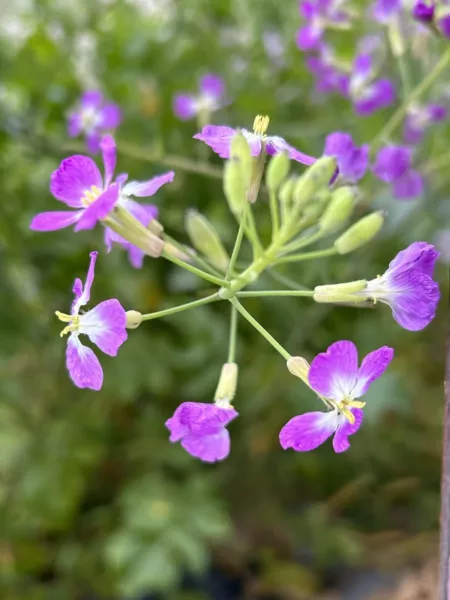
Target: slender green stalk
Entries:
(271, 293)
(278, 347)
(181, 308)
(193, 256)
(306, 256)
(274, 213)
(306, 241)
(238, 242)
(252, 234)
(233, 335)
(192, 269)
(397, 117)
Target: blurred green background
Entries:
(95, 502)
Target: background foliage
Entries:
(95, 502)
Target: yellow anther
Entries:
(91, 195)
(63, 317)
(73, 320)
(260, 124)
(348, 415)
(345, 406)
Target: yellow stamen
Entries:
(260, 124)
(73, 320)
(91, 195)
(345, 406)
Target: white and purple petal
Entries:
(372, 367)
(105, 325)
(208, 448)
(99, 209)
(75, 175)
(345, 429)
(212, 86)
(91, 99)
(109, 154)
(110, 116)
(143, 189)
(276, 144)
(185, 106)
(334, 373)
(54, 220)
(218, 137)
(376, 96)
(83, 293)
(83, 366)
(308, 431)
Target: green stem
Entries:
(275, 214)
(199, 272)
(252, 234)
(306, 256)
(278, 347)
(233, 335)
(181, 308)
(270, 293)
(238, 242)
(306, 241)
(397, 117)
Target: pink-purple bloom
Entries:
(318, 15)
(368, 93)
(408, 287)
(329, 77)
(201, 428)
(423, 11)
(210, 97)
(93, 117)
(335, 375)
(386, 10)
(104, 325)
(352, 161)
(393, 164)
(219, 137)
(419, 118)
(429, 12)
(78, 184)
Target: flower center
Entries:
(73, 320)
(345, 405)
(260, 124)
(89, 118)
(90, 195)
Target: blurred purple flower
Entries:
(210, 97)
(93, 118)
(428, 12)
(368, 93)
(424, 11)
(393, 164)
(352, 161)
(202, 429)
(335, 375)
(104, 325)
(386, 10)
(329, 77)
(418, 119)
(319, 14)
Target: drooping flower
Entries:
(78, 184)
(368, 93)
(201, 428)
(352, 161)
(393, 165)
(319, 14)
(419, 118)
(93, 118)
(210, 97)
(104, 325)
(335, 375)
(219, 137)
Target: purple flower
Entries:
(368, 93)
(209, 99)
(319, 14)
(386, 10)
(104, 325)
(219, 137)
(335, 375)
(78, 184)
(408, 287)
(329, 77)
(144, 213)
(424, 11)
(202, 429)
(393, 164)
(93, 117)
(352, 161)
(418, 119)
(429, 12)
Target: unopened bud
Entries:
(172, 250)
(206, 240)
(155, 227)
(360, 233)
(134, 319)
(341, 293)
(226, 388)
(234, 187)
(316, 177)
(299, 367)
(338, 210)
(240, 152)
(277, 171)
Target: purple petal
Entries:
(204, 418)
(184, 106)
(385, 10)
(143, 189)
(345, 428)
(333, 373)
(423, 11)
(392, 163)
(51, 221)
(414, 300)
(307, 432)
(437, 112)
(309, 9)
(338, 144)
(82, 296)
(218, 137)
(413, 130)
(105, 326)
(93, 141)
(99, 209)
(352, 161)
(110, 116)
(136, 256)
(409, 186)
(378, 95)
(275, 144)
(84, 367)
(212, 86)
(75, 175)
(418, 255)
(91, 99)
(308, 37)
(74, 124)
(372, 367)
(363, 66)
(209, 448)
(109, 153)
(444, 25)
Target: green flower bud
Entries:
(338, 210)
(316, 178)
(341, 293)
(134, 319)
(360, 233)
(226, 388)
(299, 367)
(155, 227)
(206, 240)
(285, 196)
(277, 171)
(240, 152)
